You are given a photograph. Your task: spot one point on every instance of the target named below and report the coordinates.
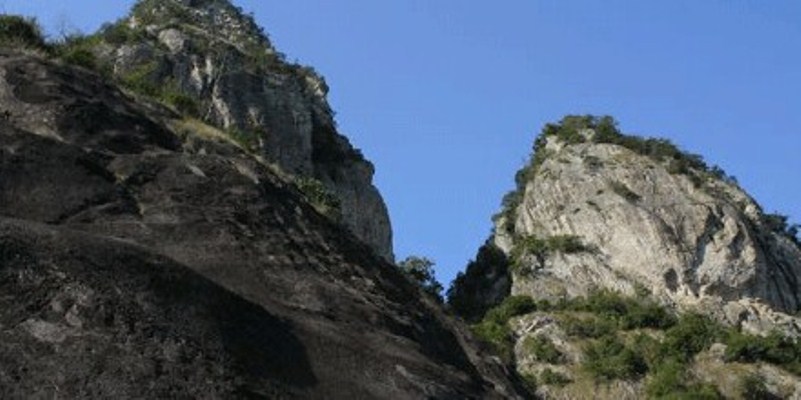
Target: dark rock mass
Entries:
(144, 256)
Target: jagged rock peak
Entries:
(218, 16)
(596, 209)
(651, 215)
(214, 63)
(621, 253)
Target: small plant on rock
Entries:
(542, 349)
(16, 30)
(421, 271)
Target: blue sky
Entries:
(446, 96)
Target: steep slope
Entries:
(646, 215)
(596, 209)
(599, 212)
(145, 255)
(210, 60)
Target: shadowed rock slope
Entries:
(146, 256)
(209, 59)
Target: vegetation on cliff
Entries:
(605, 339)
(483, 285)
(576, 129)
(210, 61)
(628, 339)
(420, 270)
(21, 32)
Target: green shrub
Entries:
(81, 57)
(541, 247)
(670, 380)
(753, 387)
(621, 189)
(16, 30)
(498, 335)
(537, 160)
(774, 348)
(699, 391)
(420, 270)
(146, 80)
(318, 196)
(529, 245)
(568, 131)
(509, 204)
(120, 33)
(494, 328)
(551, 377)
(566, 244)
(511, 307)
(605, 129)
(143, 80)
(78, 49)
(779, 223)
(603, 302)
(667, 379)
(609, 359)
(592, 163)
(692, 334)
(650, 348)
(249, 140)
(542, 350)
(512, 200)
(183, 103)
(587, 327)
(746, 348)
(625, 312)
(469, 295)
(529, 381)
(647, 315)
(148, 12)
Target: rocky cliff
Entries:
(643, 214)
(144, 254)
(209, 60)
(597, 211)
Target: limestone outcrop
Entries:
(630, 269)
(596, 209)
(212, 61)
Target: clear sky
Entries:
(446, 96)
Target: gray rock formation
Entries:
(215, 62)
(694, 240)
(146, 256)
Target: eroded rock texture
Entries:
(220, 65)
(692, 240)
(137, 262)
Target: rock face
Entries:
(684, 233)
(213, 61)
(143, 256)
